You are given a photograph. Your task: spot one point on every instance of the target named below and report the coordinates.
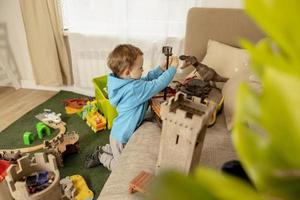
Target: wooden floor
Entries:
(15, 103)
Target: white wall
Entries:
(10, 13)
(223, 3)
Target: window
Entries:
(127, 18)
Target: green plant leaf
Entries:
(204, 184)
(267, 129)
(280, 20)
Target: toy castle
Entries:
(25, 167)
(183, 131)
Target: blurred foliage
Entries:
(203, 184)
(267, 128)
(267, 124)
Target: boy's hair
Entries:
(122, 57)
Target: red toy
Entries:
(75, 103)
(3, 166)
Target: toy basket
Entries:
(105, 107)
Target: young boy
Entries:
(130, 94)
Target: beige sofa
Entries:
(141, 152)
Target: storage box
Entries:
(109, 112)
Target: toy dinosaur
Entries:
(207, 74)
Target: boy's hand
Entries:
(173, 61)
(163, 65)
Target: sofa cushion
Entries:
(225, 59)
(217, 147)
(230, 90)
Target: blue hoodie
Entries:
(130, 97)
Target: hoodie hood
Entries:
(116, 88)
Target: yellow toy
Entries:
(82, 190)
(93, 118)
(96, 121)
(70, 110)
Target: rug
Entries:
(11, 137)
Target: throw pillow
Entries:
(225, 59)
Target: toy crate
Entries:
(105, 107)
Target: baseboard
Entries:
(29, 84)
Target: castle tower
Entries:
(183, 131)
(27, 166)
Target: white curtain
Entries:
(95, 27)
(9, 74)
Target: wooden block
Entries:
(141, 182)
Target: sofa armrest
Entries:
(140, 153)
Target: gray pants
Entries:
(112, 152)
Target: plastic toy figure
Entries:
(51, 117)
(91, 106)
(207, 74)
(96, 121)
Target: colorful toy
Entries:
(41, 129)
(96, 121)
(70, 110)
(91, 106)
(74, 105)
(93, 118)
(28, 138)
(83, 192)
(39, 181)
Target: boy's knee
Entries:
(106, 160)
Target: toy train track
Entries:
(57, 145)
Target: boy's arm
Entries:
(153, 74)
(144, 90)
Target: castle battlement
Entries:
(188, 113)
